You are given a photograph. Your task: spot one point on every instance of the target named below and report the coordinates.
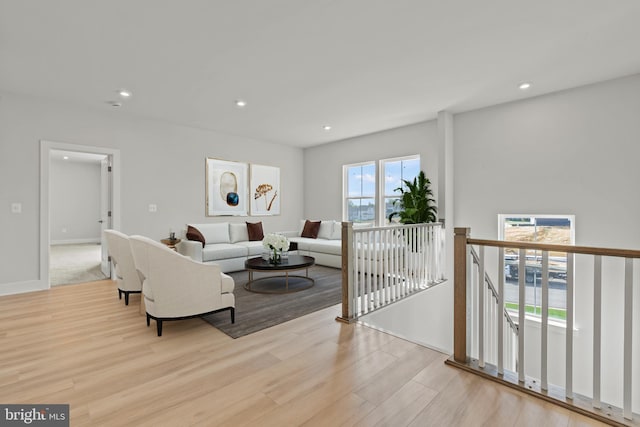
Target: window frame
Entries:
(345, 188)
(501, 236)
(382, 214)
(380, 218)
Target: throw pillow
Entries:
(326, 229)
(238, 233)
(194, 234)
(255, 231)
(311, 229)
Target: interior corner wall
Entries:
(323, 163)
(571, 152)
(74, 194)
(161, 163)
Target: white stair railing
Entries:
(497, 335)
(487, 330)
(382, 265)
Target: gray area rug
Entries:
(75, 263)
(255, 311)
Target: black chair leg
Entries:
(119, 294)
(159, 324)
(148, 320)
(233, 315)
(126, 298)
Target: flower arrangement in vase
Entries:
(276, 243)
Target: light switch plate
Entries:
(153, 208)
(16, 207)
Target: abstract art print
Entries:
(226, 187)
(264, 190)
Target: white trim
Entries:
(345, 185)
(572, 229)
(502, 217)
(45, 158)
(75, 241)
(22, 287)
(379, 195)
(381, 213)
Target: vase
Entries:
(275, 256)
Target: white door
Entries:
(105, 212)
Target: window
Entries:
(395, 172)
(369, 199)
(555, 229)
(360, 194)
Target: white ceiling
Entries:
(359, 65)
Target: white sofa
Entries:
(326, 248)
(227, 245)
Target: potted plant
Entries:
(416, 202)
(417, 206)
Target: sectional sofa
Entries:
(229, 245)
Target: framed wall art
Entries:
(226, 187)
(264, 190)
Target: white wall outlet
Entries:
(16, 207)
(153, 208)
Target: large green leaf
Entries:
(416, 202)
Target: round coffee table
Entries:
(292, 263)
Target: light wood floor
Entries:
(80, 345)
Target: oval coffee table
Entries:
(292, 263)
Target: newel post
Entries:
(347, 273)
(460, 293)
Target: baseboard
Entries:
(95, 240)
(22, 287)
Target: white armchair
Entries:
(175, 287)
(125, 271)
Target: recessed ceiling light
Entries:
(326, 127)
(240, 103)
(524, 86)
(66, 157)
(115, 104)
(124, 93)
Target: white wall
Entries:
(323, 164)
(74, 201)
(161, 163)
(427, 317)
(573, 152)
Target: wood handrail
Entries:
(587, 250)
(463, 249)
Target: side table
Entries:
(171, 243)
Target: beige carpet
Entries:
(75, 263)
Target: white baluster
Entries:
(568, 388)
(363, 277)
(369, 255)
(500, 311)
(597, 329)
(628, 337)
(545, 321)
(522, 272)
(374, 274)
(481, 307)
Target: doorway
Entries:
(79, 200)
